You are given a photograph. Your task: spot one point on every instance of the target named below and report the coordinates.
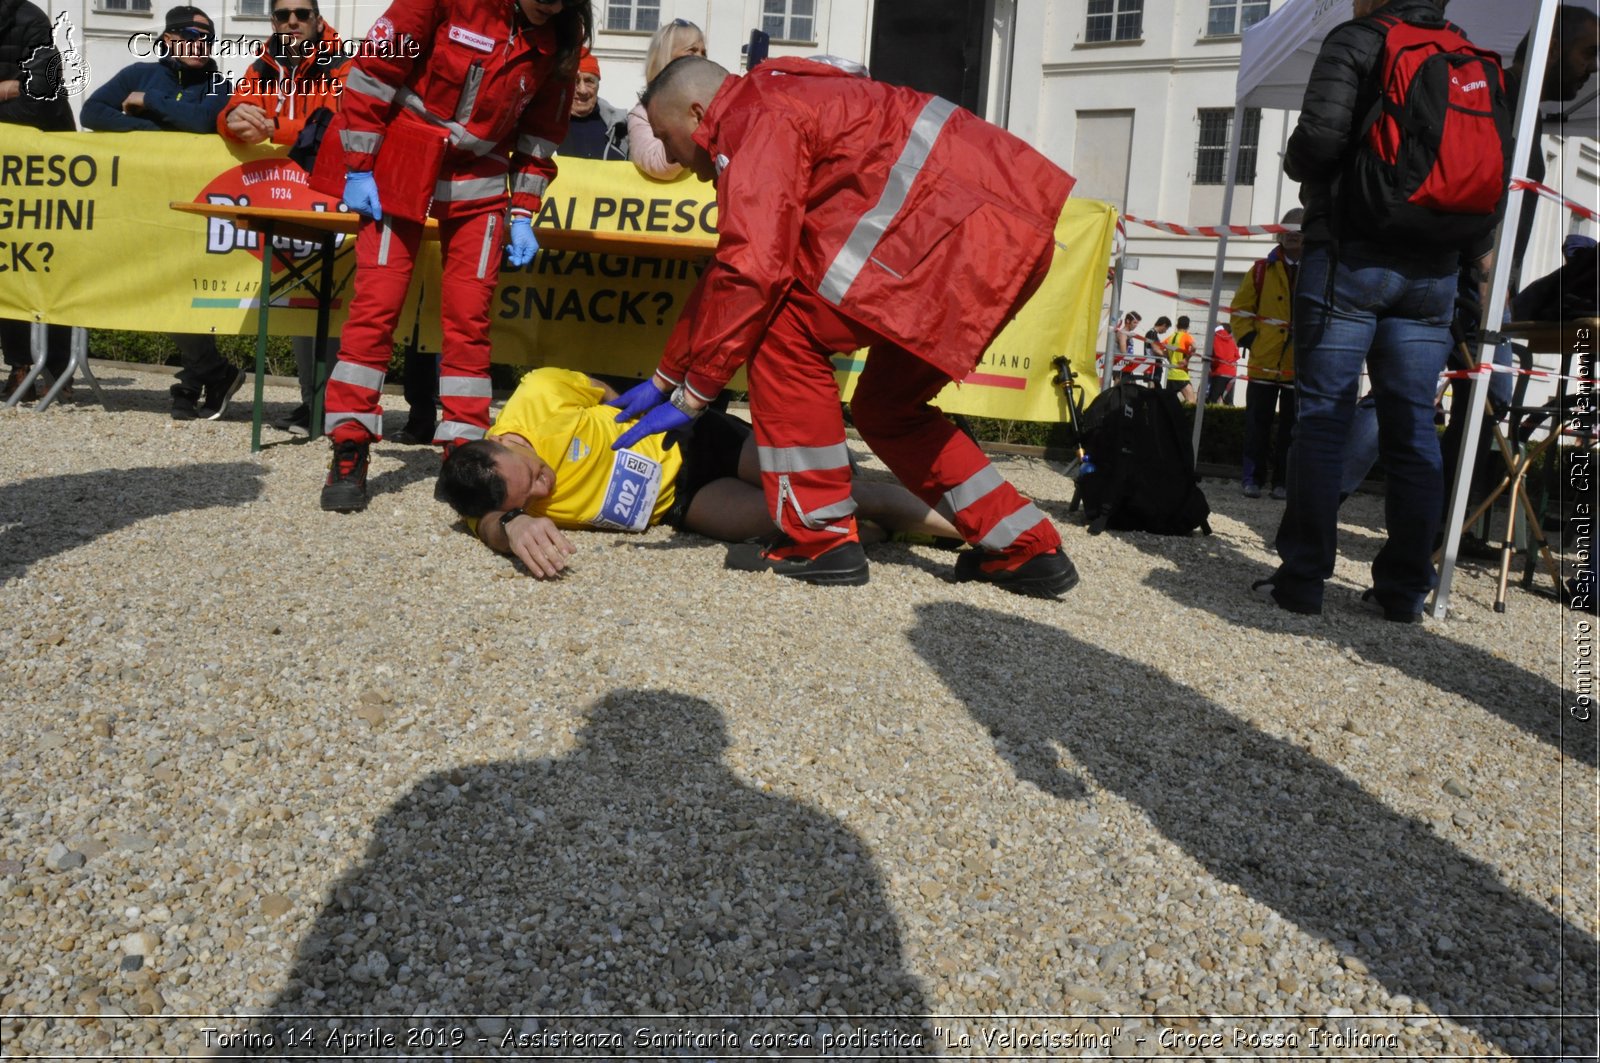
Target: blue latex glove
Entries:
(520, 251)
(638, 399)
(361, 195)
(664, 418)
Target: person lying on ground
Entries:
(547, 465)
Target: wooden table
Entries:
(323, 228)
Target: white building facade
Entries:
(1133, 97)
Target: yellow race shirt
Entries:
(558, 411)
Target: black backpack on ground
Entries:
(1138, 470)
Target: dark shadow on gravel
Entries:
(635, 875)
(1514, 694)
(1293, 833)
(416, 464)
(48, 515)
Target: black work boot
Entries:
(346, 488)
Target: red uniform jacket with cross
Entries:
(476, 71)
(912, 216)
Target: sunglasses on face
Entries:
(284, 14)
(193, 34)
(551, 3)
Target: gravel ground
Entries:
(273, 766)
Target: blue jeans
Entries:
(1395, 319)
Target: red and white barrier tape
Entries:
(1233, 311)
(1547, 192)
(1207, 230)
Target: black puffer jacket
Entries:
(27, 54)
(1340, 97)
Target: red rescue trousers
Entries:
(386, 253)
(799, 429)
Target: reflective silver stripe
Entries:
(456, 430)
(466, 387)
(367, 85)
(467, 142)
(863, 241)
(529, 184)
(372, 422)
(459, 136)
(469, 188)
(538, 147)
(1010, 530)
(833, 512)
(490, 246)
(782, 460)
(469, 92)
(383, 243)
(360, 376)
(964, 494)
(358, 141)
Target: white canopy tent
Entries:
(1275, 64)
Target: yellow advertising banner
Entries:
(87, 238)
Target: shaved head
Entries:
(683, 79)
(676, 102)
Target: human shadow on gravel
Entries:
(416, 464)
(1520, 697)
(49, 515)
(574, 898)
(1293, 833)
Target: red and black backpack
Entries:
(1434, 157)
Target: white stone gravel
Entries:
(269, 764)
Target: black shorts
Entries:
(710, 452)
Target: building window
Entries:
(131, 7)
(789, 20)
(1229, 17)
(1211, 157)
(254, 8)
(638, 15)
(1115, 20)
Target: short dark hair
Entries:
(1163, 321)
(469, 481)
(1183, 321)
(669, 75)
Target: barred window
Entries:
(1211, 155)
(789, 20)
(1115, 20)
(640, 15)
(128, 6)
(254, 8)
(1228, 17)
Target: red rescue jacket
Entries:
(913, 216)
(476, 69)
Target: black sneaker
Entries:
(843, 566)
(218, 392)
(1369, 597)
(185, 405)
(1047, 575)
(1267, 591)
(414, 435)
(346, 488)
(297, 422)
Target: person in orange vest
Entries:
(854, 214)
(453, 111)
